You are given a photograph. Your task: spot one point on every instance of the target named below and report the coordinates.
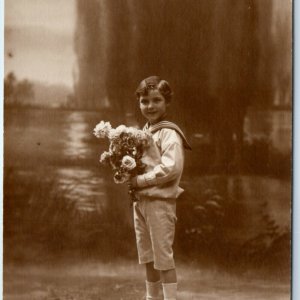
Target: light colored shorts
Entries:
(154, 222)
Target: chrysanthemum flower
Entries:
(121, 129)
(132, 131)
(128, 163)
(102, 129)
(113, 134)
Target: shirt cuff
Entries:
(146, 179)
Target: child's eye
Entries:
(144, 102)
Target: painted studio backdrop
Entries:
(69, 65)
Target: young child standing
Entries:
(157, 189)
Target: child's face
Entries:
(153, 106)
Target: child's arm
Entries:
(172, 160)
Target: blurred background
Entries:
(70, 64)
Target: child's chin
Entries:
(152, 121)
(153, 118)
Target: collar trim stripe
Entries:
(170, 125)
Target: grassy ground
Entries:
(123, 281)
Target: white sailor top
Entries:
(164, 160)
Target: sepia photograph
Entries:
(147, 149)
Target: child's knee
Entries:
(153, 275)
(150, 266)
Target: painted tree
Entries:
(233, 71)
(16, 92)
(24, 92)
(220, 56)
(9, 87)
(90, 48)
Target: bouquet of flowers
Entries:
(126, 147)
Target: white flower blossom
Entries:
(131, 130)
(113, 134)
(128, 163)
(104, 157)
(121, 129)
(121, 178)
(102, 129)
(144, 137)
(134, 151)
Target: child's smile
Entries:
(153, 106)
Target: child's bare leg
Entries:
(152, 275)
(169, 279)
(153, 283)
(169, 276)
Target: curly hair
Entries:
(154, 83)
